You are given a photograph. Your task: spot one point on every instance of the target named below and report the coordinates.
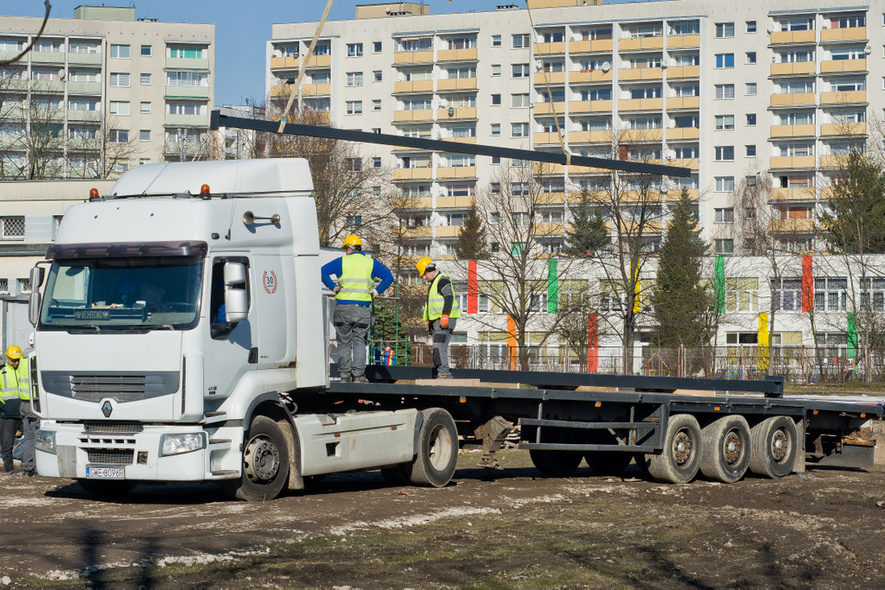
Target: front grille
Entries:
(94, 388)
(113, 428)
(111, 456)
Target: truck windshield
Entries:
(123, 294)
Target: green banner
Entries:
(552, 286)
(719, 284)
(851, 333)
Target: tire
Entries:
(437, 454)
(773, 447)
(606, 462)
(265, 463)
(106, 488)
(680, 458)
(556, 463)
(726, 449)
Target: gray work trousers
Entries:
(29, 432)
(8, 426)
(441, 338)
(351, 329)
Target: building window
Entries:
(146, 51)
(376, 104)
(751, 119)
(120, 51)
(520, 41)
(118, 107)
(519, 129)
(183, 108)
(519, 100)
(496, 99)
(831, 294)
(520, 70)
(872, 295)
(145, 107)
(750, 89)
(145, 79)
(119, 80)
(724, 215)
(144, 135)
(751, 151)
(724, 122)
(143, 161)
(354, 50)
(376, 47)
(12, 228)
(787, 294)
(354, 107)
(186, 78)
(724, 246)
(724, 184)
(496, 129)
(724, 153)
(354, 78)
(725, 91)
(724, 30)
(376, 162)
(377, 76)
(741, 294)
(724, 60)
(185, 52)
(751, 26)
(118, 136)
(496, 40)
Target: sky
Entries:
(241, 28)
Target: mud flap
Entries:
(296, 482)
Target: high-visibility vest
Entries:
(356, 280)
(16, 383)
(433, 307)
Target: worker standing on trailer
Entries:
(440, 312)
(354, 291)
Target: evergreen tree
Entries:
(472, 243)
(587, 232)
(681, 303)
(855, 223)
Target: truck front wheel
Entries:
(265, 463)
(437, 453)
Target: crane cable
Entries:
(297, 84)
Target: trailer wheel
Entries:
(437, 453)
(265, 463)
(773, 447)
(555, 463)
(607, 462)
(106, 489)
(726, 449)
(680, 459)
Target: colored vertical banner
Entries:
(807, 285)
(719, 284)
(552, 286)
(851, 336)
(511, 343)
(763, 342)
(637, 290)
(592, 343)
(472, 288)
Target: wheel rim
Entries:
(732, 448)
(440, 448)
(683, 447)
(780, 445)
(261, 460)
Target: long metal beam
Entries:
(218, 120)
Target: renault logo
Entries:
(107, 408)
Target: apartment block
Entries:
(102, 92)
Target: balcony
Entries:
(452, 84)
(640, 44)
(792, 37)
(316, 89)
(187, 63)
(640, 74)
(676, 193)
(641, 104)
(602, 136)
(455, 202)
(679, 103)
(412, 57)
(188, 148)
(412, 116)
(840, 66)
(82, 59)
(692, 163)
(792, 225)
(281, 90)
(681, 72)
(683, 133)
(47, 57)
(550, 48)
(48, 86)
(804, 193)
(793, 100)
(413, 173)
(844, 98)
(550, 199)
(448, 231)
(418, 232)
(413, 203)
(84, 88)
(186, 120)
(834, 161)
(683, 41)
(187, 92)
(639, 196)
(800, 68)
(782, 131)
(456, 172)
(847, 34)
(459, 114)
(792, 162)
(549, 108)
(456, 55)
(831, 129)
(285, 63)
(545, 78)
(549, 229)
(78, 116)
(597, 46)
(583, 106)
(588, 76)
(461, 139)
(546, 138)
(410, 86)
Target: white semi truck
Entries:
(182, 334)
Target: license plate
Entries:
(105, 473)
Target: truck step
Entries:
(219, 441)
(224, 472)
(210, 417)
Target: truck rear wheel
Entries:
(265, 463)
(680, 459)
(726, 449)
(773, 447)
(437, 452)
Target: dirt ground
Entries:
(487, 529)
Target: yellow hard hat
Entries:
(14, 352)
(351, 241)
(422, 265)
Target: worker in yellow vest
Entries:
(440, 312)
(15, 395)
(354, 290)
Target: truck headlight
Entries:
(44, 440)
(176, 444)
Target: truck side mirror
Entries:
(236, 304)
(37, 275)
(234, 274)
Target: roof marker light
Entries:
(93, 194)
(205, 192)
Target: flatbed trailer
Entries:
(674, 427)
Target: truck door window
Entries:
(219, 328)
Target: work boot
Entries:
(345, 378)
(360, 379)
(443, 376)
